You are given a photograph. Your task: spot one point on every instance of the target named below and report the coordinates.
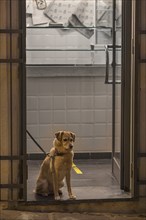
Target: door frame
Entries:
(127, 147)
(122, 171)
(125, 173)
(126, 100)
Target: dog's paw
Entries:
(44, 194)
(72, 197)
(57, 198)
(60, 192)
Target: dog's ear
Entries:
(59, 135)
(73, 136)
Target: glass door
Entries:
(67, 70)
(113, 77)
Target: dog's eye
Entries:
(65, 139)
(71, 139)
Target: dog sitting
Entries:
(57, 166)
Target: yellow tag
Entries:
(76, 169)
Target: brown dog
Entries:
(57, 166)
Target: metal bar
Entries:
(142, 61)
(71, 27)
(37, 49)
(136, 16)
(141, 182)
(107, 64)
(13, 157)
(11, 60)
(63, 65)
(142, 31)
(96, 33)
(11, 102)
(113, 85)
(35, 142)
(8, 31)
(125, 95)
(10, 186)
(23, 164)
(141, 154)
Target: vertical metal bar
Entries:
(96, 34)
(122, 177)
(125, 95)
(22, 16)
(113, 84)
(11, 100)
(136, 18)
(0, 133)
(107, 65)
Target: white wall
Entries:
(80, 104)
(78, 47)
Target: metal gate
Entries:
(12, 101)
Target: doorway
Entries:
(74, 83)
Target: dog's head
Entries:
(66, 139)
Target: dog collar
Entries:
(57, 154)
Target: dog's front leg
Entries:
(55, 186)
(54, 179)
(68, 183)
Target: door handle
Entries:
(107, 65)
(107, 80)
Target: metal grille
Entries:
(12, 101)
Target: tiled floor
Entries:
(96, 182)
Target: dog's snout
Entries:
(71, 146)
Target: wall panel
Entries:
(12, 79)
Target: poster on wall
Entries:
(79, 14)
(66, 13)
